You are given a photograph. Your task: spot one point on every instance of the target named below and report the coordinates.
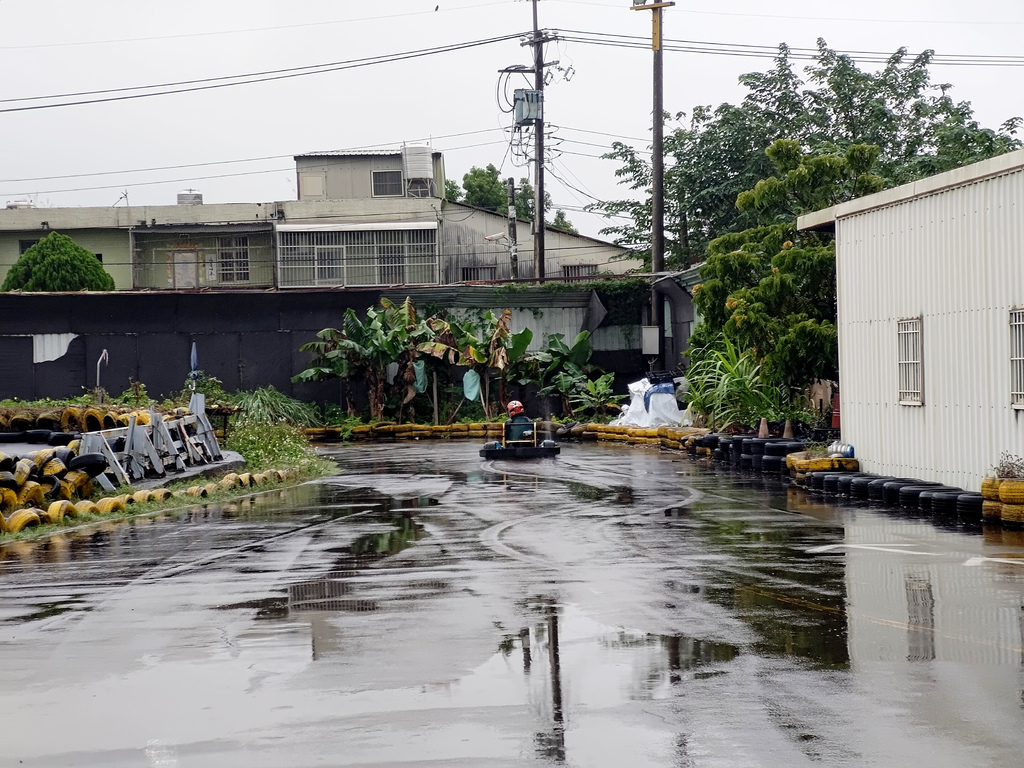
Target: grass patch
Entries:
(274, 446)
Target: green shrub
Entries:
(57, 263)
(275, 446)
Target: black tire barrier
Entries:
(62, 438)
(794, 446)
(756, 461)
(816, 480)
(776, 448)
(830, 484)
(718, 454)
(908, 493)
(64, 454)
(772, 463)
(91, 463)
(711, 441)
(877, 487)
(944, 502)
(968, 505)
(891, 491)
(859, 486)
(926, 499)
(37, 435)
(756, 445)
(12, 437)
(746, 460)
(7, 480)
(845, 483)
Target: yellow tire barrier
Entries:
(990, 488)
(65, 490)
(159, 494)
(42, 457)
(230, 480)
(1011, 491)
(245, 480)
(49, 420)
(20, 422)
(8, 499)
(992, 510)
(210, 488)
(86, 507)
(61, 510)
(822, 465)
(22, 471)
(71, 418)
(54, 467)
(31, 493)
(75, 446)
(1013, 513)
(93, 419)
(77, 478)
(109, 504)
(21, 519)
(141, 497)
(126, 499)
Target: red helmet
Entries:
(515, 408)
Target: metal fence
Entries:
(357, 258)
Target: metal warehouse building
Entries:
(931, 322)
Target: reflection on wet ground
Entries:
(612, 607)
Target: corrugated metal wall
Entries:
(953, 258)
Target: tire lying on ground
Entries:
(110, 504)
(86, 507)
(21, 519)
(58, 510)
(91, 463)
(13, 437)
(8, 500)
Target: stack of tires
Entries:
(33, 487)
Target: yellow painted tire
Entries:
(55, 512)
(210, 488)
(1011, 491)
(64, 508)
(86, 507)
(126, 499)
(245, 479)
(31, 493)
(8, 500)
(76, 477)
(1013, 513)
(49, 420)
(990, 488)
(109, 504)
(256, 479)
(141, 417)
(21, 519)
(7, 462)
(141, 497)
(65, 490)
(19, 422)
(991, 510)
(54, 467)
(75, 446)
(85, 490)
(198, 491)
(230, 480)
(93, 419)
(22, 471)
(159, 494)
(71, 418)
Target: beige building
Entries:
(362, 220)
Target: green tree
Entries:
(561, 222)
(452, 190)
(484, 189)
(918, 128)
(57, 263)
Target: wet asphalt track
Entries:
(613, 607)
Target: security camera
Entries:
(492, 238)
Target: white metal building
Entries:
(931, 322)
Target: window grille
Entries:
(362, 258)
(1017, 358)
(471, 274)
(387, 184)
(911, 369)
(578, 270)
(233, 255)
(24, 245)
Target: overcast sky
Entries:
(89, 155)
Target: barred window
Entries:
(911, 368)
(472, 274)
(233, 255)
(1017, 358)
(578, 270)
(387, 184)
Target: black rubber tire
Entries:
(756, 445)
(945, 502)
(968, 505)
(772, 463)
(50, 482)
(859, 486)
(91, 463)
(775, 448)
(12, 437)
(830, 484)
(718, 454)
(39, 436)
(62, 438)
(64, 454)
(756, 461)
(816, 480)
(846, 482)
(746, 460)
(794, 446)
(7, 481)
(908, 494)
(877, 486)
(891, 491)
(711, 441)
(925, 499)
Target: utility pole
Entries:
(538, 204)
(513, 246)
(657, 165)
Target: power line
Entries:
(210, 83)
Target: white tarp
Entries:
(651, 405)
